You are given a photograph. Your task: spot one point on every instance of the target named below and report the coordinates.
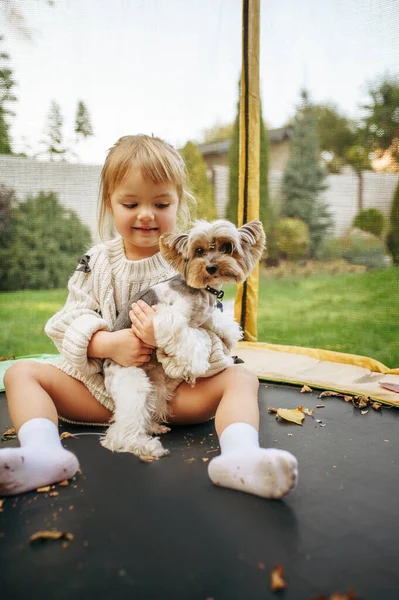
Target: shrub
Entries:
(393, 235)
(46, 241)
(289, 239)
(371, 220)
(357, 247)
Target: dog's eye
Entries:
(199, 251)
(227, 248)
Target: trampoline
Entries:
(163, 530)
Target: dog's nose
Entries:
(211, 269)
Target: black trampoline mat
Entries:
(162, 530)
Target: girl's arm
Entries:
(73, 327)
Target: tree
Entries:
(42, 253)
(233, 158)
(393, 234)
(336, 134)
(218, 132)
(7, 203)
(7, 97)
(83, 127)
(199, 183)
(382, 117)
(53, 132)
(382, 126)
(342, 142)
(304, 176)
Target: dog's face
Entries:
(214, 253)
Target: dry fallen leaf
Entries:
(320, 405)
(361, 401)
(350, 595)
(54, 494)
(276, 579)
(327, 394)
(305, 389)
(147, 458)
(205, 459)
(45, 488)
(364, 412)
(1, 505)
(66, 435)
(376, 406)
(64, 483)
(272, 410)
(50, 535)
(307, 411)
(291, 414)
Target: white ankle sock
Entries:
(41, 459)
(244, 466)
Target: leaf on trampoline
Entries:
(64, 483)
(1, 505)
(272, 410)
(9, 434)
(65, 434)
(307, 411)
(364, 412)
(376, 406)
(291, 414)
(305, 389)
(45, 488)
(350, 595)
(327, 394)
(277, 581)
(147, 458)
(50, 535)
(361, 401)
(4, 358)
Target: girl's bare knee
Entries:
(239, 375)
(21, 369)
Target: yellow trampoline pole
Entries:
(246, 303)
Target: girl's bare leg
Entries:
(232, 397)
(35, 392)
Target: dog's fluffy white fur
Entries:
(208, 256)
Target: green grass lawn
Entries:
(356, 313)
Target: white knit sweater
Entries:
(94, 300)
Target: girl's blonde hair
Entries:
(158, 162)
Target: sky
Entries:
(171, 67)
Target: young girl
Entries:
(144, 192)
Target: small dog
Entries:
(208, 256)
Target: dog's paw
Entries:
(157, 429)
(141, 445)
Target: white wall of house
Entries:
(341, 193)
(77, 188)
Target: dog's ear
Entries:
(253, 239)
(173, 247)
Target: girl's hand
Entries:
(126, 349)
(142, 317)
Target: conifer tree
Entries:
(7, 84)
(304, 177)
(83, 126)
(53, 132)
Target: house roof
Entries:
(222, 146)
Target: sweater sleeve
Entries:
(72, 328)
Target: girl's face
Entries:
(142, 211)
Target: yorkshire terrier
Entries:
(210, 255)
